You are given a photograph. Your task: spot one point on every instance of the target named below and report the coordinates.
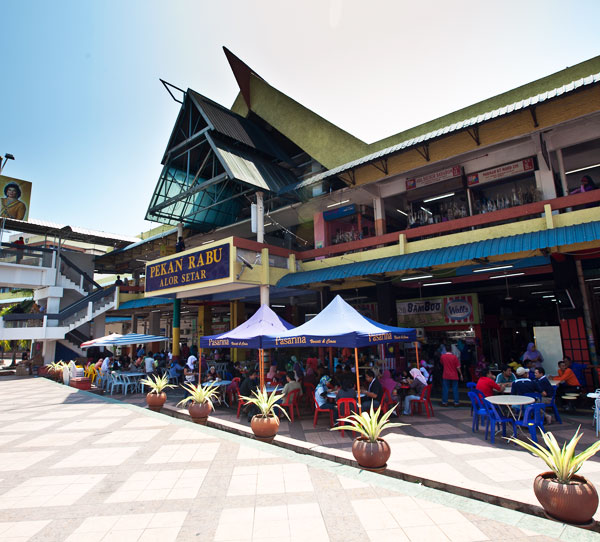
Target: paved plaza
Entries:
(78, 467)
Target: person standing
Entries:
(180, 245)
(450, 377)
(374, 392)
(149, 363)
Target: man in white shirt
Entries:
(105, 364)
(149, 363)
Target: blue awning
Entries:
(144, 302)
(568, 235)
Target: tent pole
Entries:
(417, 353)
(357, 380)
(261, 368)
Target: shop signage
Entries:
(501, 172)
(189, 268)
(431, 178)
(438, 311)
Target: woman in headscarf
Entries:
(388, 382)
(272, 372)
(417, 382)
(321, 395)
(531, 354)
(298, 369)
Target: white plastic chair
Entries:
(127, 383)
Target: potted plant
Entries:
(563, 494)
(199, 402)
(157, 396)
(369, 449)
(55, 370)
(265, 424)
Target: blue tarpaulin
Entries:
(249, 334)
(339, 325)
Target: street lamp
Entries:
(7, 157)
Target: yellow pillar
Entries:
(236, 314)
(204, 324)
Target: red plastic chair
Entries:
(232, 388)
(309, 392)
(386, 401)
(425, 399)
(346, 407)
(240, 401)
(291, 402)
(325, 410)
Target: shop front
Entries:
(443, 320)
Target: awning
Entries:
(568, 235)
(144, 302)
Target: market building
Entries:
(466, 227)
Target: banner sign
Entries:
(15, 196)
(431, 178)
(340, 341)
(501, 172)
(189, 268)
(438, 311)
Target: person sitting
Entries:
(505, 375)
(189, 371)
(321, 395)
(211, 374)
(487, 385)
(149, 363)
(417, 383)
(523, 383)
(374, 392)
(291, 385)
(272, 372)
(247, 387)
(347, 389)
(567, 380)
(424, 370)
(175, 371)
(310, 376)
(545, 388)
(236, 370)
(388, 382)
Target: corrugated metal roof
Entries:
(140, 242)
(237, 127)
(568, 235)
(252, 169)
(516, 106)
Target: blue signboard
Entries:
(340, 212)
(189, 268)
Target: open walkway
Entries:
(77, 467)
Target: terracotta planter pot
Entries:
(371, 455)
(156, 402)
(265, 429)
(199, 412)
(574, 503)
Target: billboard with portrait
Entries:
(15, 196)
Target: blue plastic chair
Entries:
(495, 418)
(478, 410)
(552, 404)
(533, 417)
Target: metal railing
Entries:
(24, 255)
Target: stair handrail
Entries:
(67, 311)
(80, 271)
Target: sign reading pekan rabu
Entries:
(189, 268)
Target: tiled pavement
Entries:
(443, 448)
(76, 467)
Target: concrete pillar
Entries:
(134, 323)
(379, 215)
(49, 351)
(176, 327)
(260, 218)
(154, 329)
(265, 277)
(561, 171)
(100, 326)
(320, 231)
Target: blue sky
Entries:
(87, 119)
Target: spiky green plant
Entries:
(56, 366)
(157, 384)
(562, 461)
(199, 394)
(265, 402)
(368, 424)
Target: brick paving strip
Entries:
(78, 467)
